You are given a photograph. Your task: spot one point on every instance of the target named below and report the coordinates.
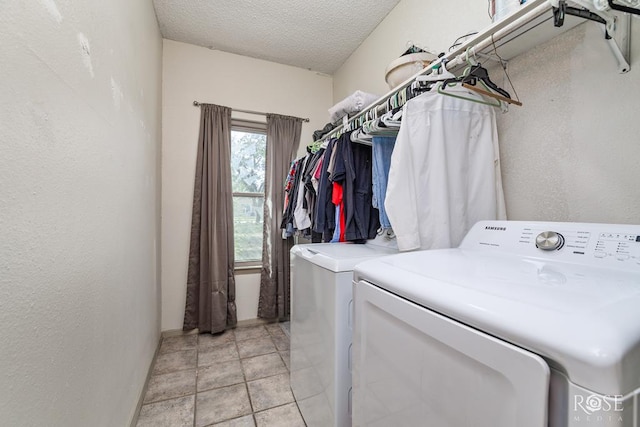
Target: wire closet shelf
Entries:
(531, 15)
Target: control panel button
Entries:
(600, 254)
(549, 241)
(622, 257)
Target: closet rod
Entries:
(258, 113)
(529, 12)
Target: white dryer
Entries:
(526, 324)
(321, 327)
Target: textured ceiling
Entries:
(317, 35)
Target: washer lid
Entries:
(340, 257)
(584, 320)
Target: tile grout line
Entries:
(246, 384)
(280, 406)
(255, 420)
(195, 396)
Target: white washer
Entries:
(321, 332)
(526, 324)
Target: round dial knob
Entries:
(549, 241)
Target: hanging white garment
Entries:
(445, 171)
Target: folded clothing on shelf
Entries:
(318, 134)
(354, 103)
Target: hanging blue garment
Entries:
(336, 233)
(382, 149)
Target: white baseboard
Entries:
(177, 333)
(240, 324)
(136, 414)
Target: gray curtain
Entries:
(283, 139)
(211, 290)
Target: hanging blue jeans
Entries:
(336, 233)
(382, 149)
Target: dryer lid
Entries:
(340, 257)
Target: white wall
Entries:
(79, 203)
(570, 153)
(431, 24)
(195, 73)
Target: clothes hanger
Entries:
(492, 95)
(314, 147)
(375, 126)
(475, 71)
(437, 74)
(427, 82)
(444, 78)
(379, 128)
(482, 74)
(360, 137)
(441, 90)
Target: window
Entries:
(248, 159)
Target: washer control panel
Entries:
(547, 240)
(594, 244)
(622, 247)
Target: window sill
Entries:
(247, 268)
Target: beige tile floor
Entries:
(235, 379)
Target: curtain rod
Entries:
(197, 104)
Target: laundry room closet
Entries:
(566, 154)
